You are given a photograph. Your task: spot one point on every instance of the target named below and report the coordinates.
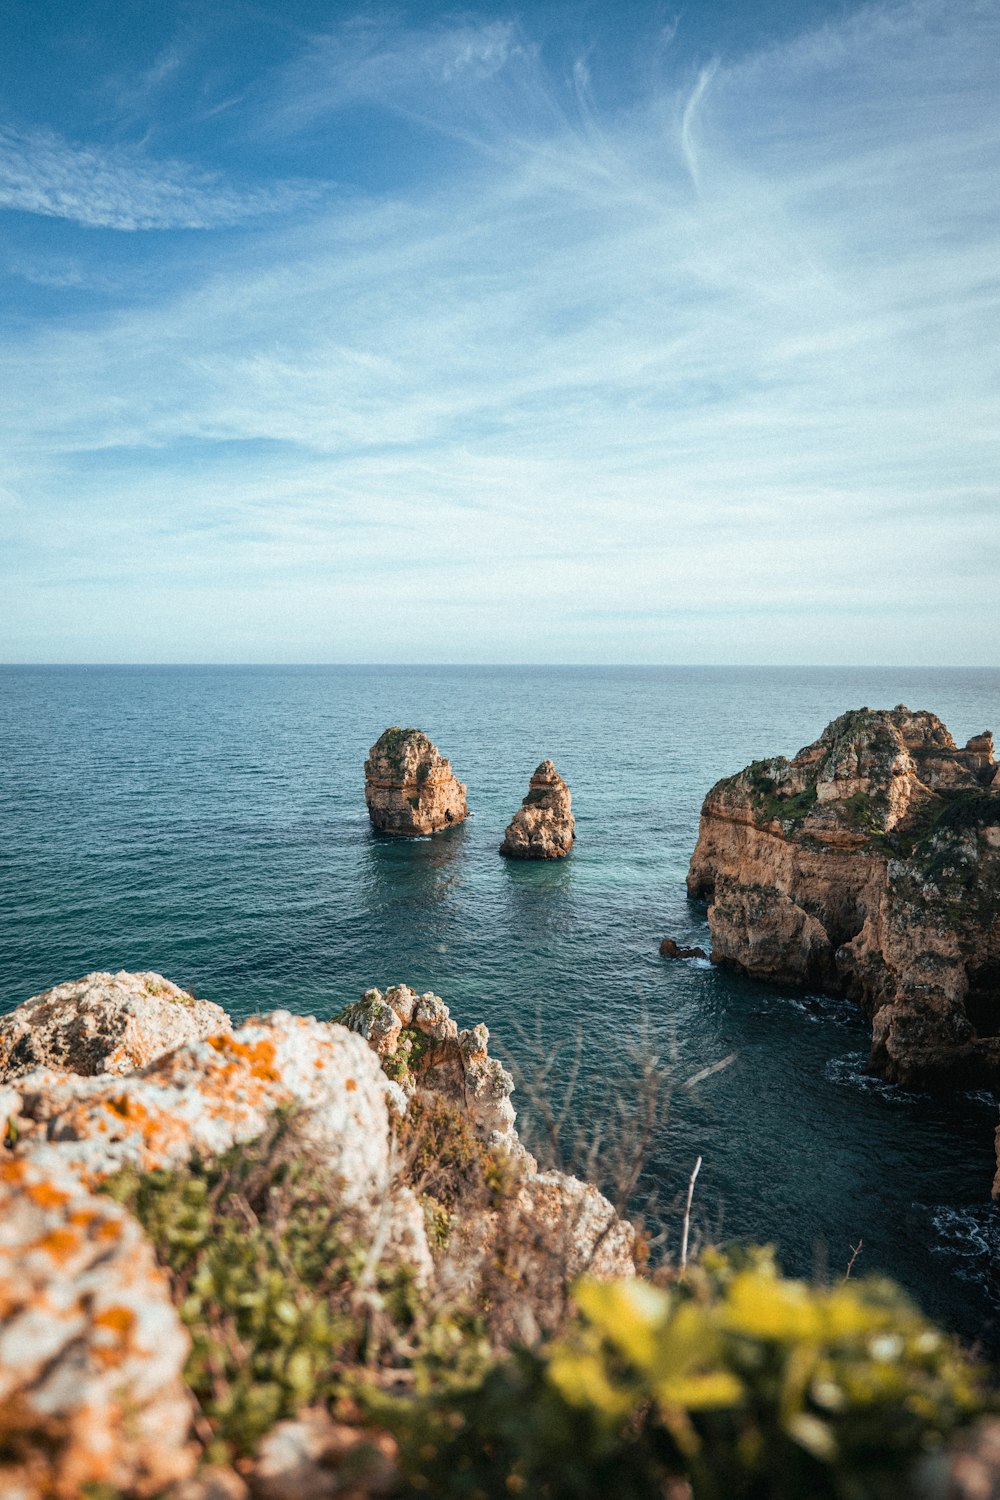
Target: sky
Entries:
(599, 331)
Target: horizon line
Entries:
(519, 665)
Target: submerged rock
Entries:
(543, 826)
(869, 865)
(410, 788)
(103, 1023)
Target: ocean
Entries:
(209, 823)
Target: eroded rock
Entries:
(409, 786)
(521, 1257)
(869, 865)
(91, 1349)
(209, 1095)
(543, 826)
(427, 1050)
(671, 949)
(517, 1255)
(103, 1023)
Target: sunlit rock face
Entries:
(869, 865)
(210, 1095)
(410, 788)
(92, 1349)
(419, 1042)
(103, 1023)
(543, 826)
(520, 1255)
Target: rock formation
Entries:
(92, 1353)
(104, 1023)
(869, 865)
(409, 786)
(542, 827)
(670, 948)
(421, 1046)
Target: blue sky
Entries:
(607, 332)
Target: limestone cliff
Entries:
(409, 786)
(97, 1368)
(869, 865)
(543, 826)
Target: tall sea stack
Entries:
(542, 827)
(409, 786)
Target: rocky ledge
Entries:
(410, 788)
(869, 865)
(109, 1382)
(543, 826)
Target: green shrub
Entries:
(750, 1386)
(446, 1160)
(265, 1267)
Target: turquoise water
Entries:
(210, 823)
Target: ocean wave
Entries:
(970, 1237)
(849, 1071)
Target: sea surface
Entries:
(209, 823)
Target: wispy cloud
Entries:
(565, 401)
(481, 81)
(120, 187)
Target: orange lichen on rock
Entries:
(46, 1195)
(258, 1057)
(87, 1326)
(211, 1094)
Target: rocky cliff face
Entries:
(869, 865)
(95, 1359)
(543, 826)
(409, 786)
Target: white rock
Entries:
(103, 1023)
(91, 1350)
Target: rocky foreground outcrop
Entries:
(543, 826)
(410, 788)
(105, 1023)
(869, 865)
(92, 1350)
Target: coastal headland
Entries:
(869, 865)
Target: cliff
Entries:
(409, 786)
(296, 1198)
(869, 865)
(543, 826)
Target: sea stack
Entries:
(869, 865)
(409, 786)
(542, 827)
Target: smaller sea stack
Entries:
(409, 786)
(542, 827)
